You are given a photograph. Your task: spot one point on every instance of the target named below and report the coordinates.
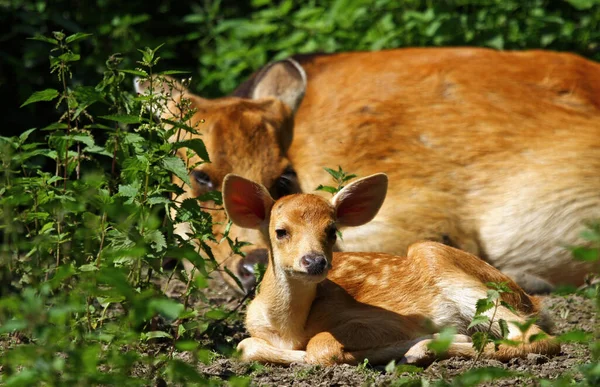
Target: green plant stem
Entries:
(487, 334)
(102, 236)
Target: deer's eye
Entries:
(286, 184)
(203, 180)
(281, 233)
(332, 233)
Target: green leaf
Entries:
(85, 138)
(503, 328)
(139, 73)
(537, 337)
(43, 38)
(477, 376)
(576, 336)
(390, 367)
(88, 267)
(230, 274)
(326, 188)
(239, 381)
(582, 5)
(186, 345)
(510, 343)
(44, 95)
(187, 210)
(173, 72)
(496, 42)
(186, 372)
(479, 320)
(153, 200)
(443, 341)
(501, 287)
(215, 314)
(480, 340)
(335, 174)
(483, 305)
(156, 239)
(123, 118)
(214, 196)
(176, 166)
(12, 326)
(197, 145)
(592, 233)
(129, 190)
(77, 36)
(155, 335)
(508, 306)
(348, 177)
(493, 295)
(55, 126)
(586, 254)
(69, 57)
(25, 135)
(61, 275)
(526, 325)
(166, 307)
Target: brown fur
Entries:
(370, 305)
(496, 153)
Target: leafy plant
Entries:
(492, 302)
(340, 177)
(83, 242)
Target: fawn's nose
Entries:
(246, 267)
(314, 263)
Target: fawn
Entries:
(320, 307)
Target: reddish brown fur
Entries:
(497, 153)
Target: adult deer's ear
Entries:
(248, 204)
(167, 88)
(358, 202)
(284, 80)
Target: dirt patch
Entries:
(570, 312)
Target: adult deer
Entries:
(321, 307)
(495, 153)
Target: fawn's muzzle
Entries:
(314, 263)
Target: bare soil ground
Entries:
(570, 312)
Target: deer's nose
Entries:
(314, 263)
(246, 267)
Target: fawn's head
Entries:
(301, 229)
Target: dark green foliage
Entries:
(222, 41)
(81, 245)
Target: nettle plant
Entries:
(85, 222)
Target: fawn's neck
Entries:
(287, 300)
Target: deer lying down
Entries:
(319, 307)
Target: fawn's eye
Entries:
(281, 233)
(332, 233)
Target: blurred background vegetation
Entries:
(220, 42)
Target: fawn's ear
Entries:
(358, 202)
(247, 203)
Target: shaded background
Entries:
(222, 42)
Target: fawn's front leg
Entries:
(255, 349)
